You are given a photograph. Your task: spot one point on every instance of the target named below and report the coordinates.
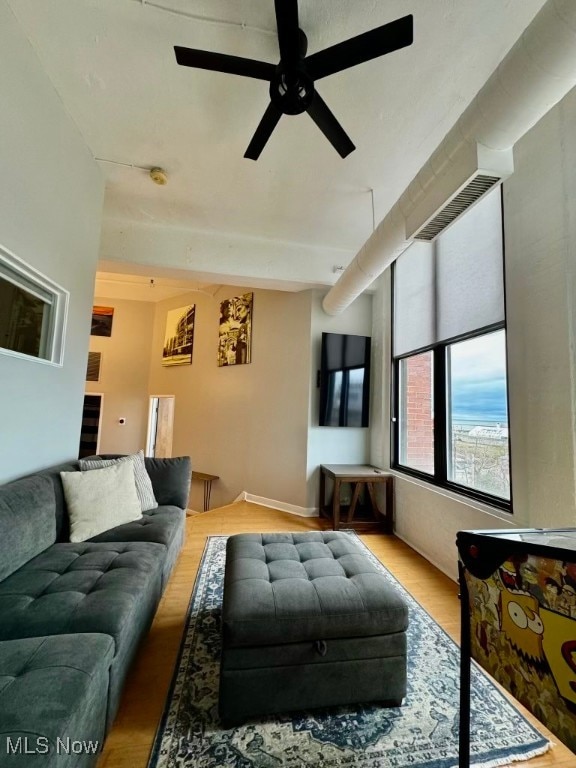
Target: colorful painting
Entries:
(179, 336)
(102, 321)
(523, 631)
(235, 336)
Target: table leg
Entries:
(464, 729)
(389, 519)
(336, 505)
(372, 494)
(322, 492)
(207, 491)
(354, 501)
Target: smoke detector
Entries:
(159, 176)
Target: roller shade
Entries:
(454, 285)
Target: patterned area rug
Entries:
(423, 733)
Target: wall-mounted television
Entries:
(344, 380)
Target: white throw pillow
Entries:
(98, 501)
(143, 483)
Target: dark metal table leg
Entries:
(464, 732)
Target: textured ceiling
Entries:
(112, 64)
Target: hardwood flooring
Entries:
(129, 742)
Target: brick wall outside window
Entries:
(417, 426)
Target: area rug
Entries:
(422, 733)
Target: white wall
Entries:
(242, 259)
(540, 232)
(334, 445)
(247, 423)
(50, 209)
(124, 372)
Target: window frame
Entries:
(441, 411)
(441, 396)
(16, 271)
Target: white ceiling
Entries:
(112, 64)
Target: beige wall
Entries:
(124, 370)
(254, 425)
(246, 423)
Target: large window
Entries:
(450, 409)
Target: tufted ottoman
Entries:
(307, 621)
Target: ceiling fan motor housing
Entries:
(291, 89)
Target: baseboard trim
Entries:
(293, 509)
(426, 557)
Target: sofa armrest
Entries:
(170, 479)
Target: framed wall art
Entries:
(179, 336)
(235, 332)
(93, 367)
(102, 318)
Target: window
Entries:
(477, 413)
(32, 312)
(416, 449)
(450, 413)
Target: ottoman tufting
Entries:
(307, 621)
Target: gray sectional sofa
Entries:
(72, 615)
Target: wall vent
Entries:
(471, 193)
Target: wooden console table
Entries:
(207, 479)
(359, 476)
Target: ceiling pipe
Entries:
(538, 71)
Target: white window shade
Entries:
(414, 299)
(453, 286)
(469, 271)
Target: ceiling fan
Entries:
(292, 81)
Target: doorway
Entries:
(90, 429)
(160, 426)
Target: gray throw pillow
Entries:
(141, 476)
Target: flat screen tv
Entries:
(344, 380)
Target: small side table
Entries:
(358, 475)
(207, 479)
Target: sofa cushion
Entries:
(171, 479)
(112, 588)
(53, 688)
(160, 525)
(27, 521)
(164, 525)
(100, 499)
(53, 474)
(142, 478)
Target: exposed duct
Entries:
(536, 74)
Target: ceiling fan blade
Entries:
(369, 45)
(263, 132)
(287, 24)
(330, 127)
(221, 62)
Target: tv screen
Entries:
(344, 380)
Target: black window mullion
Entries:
(440, 443)
(395, 412)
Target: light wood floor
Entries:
(129, 742)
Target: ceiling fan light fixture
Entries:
(159, 176)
